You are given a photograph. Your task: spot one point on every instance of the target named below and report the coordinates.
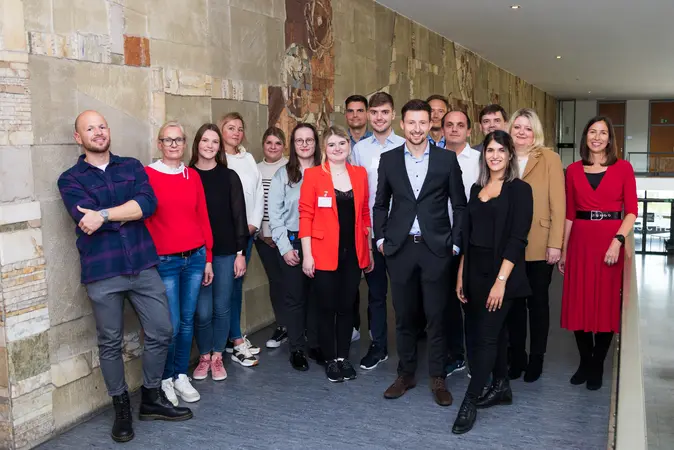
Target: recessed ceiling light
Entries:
(559, 57)
(515, 7)
(589, 92)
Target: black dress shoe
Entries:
(299, 361)
(155, 406)
(317, 355)
(348, 372)
(534, 368)
(499, 393)
(466, 418)
(122, 429)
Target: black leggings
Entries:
(335, 295)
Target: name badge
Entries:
(325, 202)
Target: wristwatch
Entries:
(502, 278)
(105, 215)
(620, 238)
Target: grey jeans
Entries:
(148, 297)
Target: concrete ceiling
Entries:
(615, 49)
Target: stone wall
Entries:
(141, 62)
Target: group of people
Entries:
(467, 237)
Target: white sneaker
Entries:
(253, 349)
(167, 387)
(243, 355)
(355, 335)
(184, 389)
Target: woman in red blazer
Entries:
(335, 233)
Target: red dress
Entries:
(591, 296)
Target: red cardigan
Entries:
(180, 222)
(322, 224)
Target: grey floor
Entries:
(655, 275)
(274, 407)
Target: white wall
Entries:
(636, 132)
(585, 110)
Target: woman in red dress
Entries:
(601, 207)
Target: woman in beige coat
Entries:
(542, 169)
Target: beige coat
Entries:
(545, 175)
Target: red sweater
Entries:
(180, 222)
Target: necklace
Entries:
(338, 174)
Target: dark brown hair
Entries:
(293, 167)
(611, 150)
(220, 157)
(276, 132)
(381, 98)
(493, 109)
(442, 98)
(416, 105)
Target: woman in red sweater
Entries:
(181, 231)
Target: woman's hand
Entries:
(459, 290)
(613, 253)
(208, 274)
(291, 258)
(308, 266)
(239, 266)
(370, 266)
(252, 229)
(552, 255)
(561, 264)
(495, 299)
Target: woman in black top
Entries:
(492, 272)
(227, 214)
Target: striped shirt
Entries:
(267, 170)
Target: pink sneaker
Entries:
(201, 372)
(218, 372)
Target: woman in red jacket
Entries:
(335, 234)
(181, 231)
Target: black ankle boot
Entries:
(518, 364)
(155, 406)
(466, 418)
(595, 375)
(122, 429)
(534, 368)
(499, 393)
(581, 374)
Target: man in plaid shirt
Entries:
(108, 197)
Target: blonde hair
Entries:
(171, 124)
(334, 130)
(536, 126)
(224, 120)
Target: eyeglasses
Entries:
(302, 142)
(168, 142)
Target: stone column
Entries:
(25, 378)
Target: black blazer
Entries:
(514, 212)
(443, 182)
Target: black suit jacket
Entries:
(514, 212)
(443, 182)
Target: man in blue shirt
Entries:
(439, 107)
(108, 197)
(367, 154)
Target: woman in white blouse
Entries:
(243, 163)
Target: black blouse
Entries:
(346, 214)
(226, 209)
(595, 179)
(482, 220)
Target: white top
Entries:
(366, 153)
(522, 163)
(267, 170)
(245, 167)
(469, 161)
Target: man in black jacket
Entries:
(416, 180)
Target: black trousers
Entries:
(297, 289)
(335, 294)
(273, 268)
(490, 337)
(454, 322)
(539, 274)
(412, 269)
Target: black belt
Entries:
(185, 254)
(599, 215)
(416, 238)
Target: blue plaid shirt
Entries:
(114, 249)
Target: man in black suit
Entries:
(418, 241)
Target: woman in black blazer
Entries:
(492, 273)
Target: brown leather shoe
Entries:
(440, 393)
(401, 385)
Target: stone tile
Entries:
(192, 112)
(19, 212)
(16, 176)
(135, 23)
(72, 369)
(32, 404)
(184, 57)
(38, 15)
(275, 30)
(265, 7)
(71, 338)
(136, 51)
(66, 297)
(23, 387)
(49, 162)
(83, 16)
(249, 45)
(27, 324)
(116, 24)
(255, 118)
(184, 22)
(4, 368)
(28, 357)
(29, 432)
(12, 31)
(20, 245)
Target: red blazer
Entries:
(322, 224)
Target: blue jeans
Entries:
(182, 278)
(214, 307)
(377, 283)
(237, 299)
